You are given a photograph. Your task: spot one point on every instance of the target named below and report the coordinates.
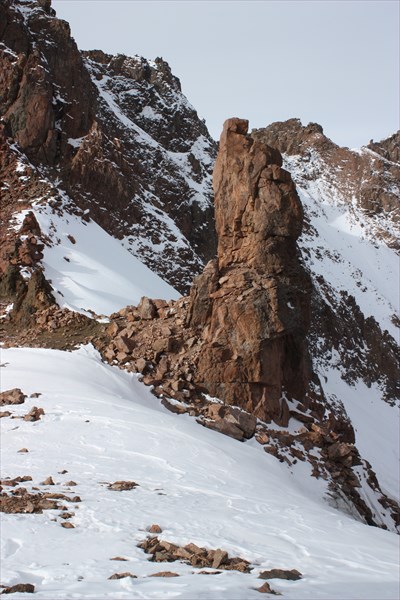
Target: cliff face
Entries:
(114, 136)
(254, 300)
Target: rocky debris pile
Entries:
(23, 501)
(163, 551)
(154, 340)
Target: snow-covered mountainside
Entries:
(101, 426)
(254, 423)
(115, 133)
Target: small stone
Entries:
(154, 528)
(35, 395)
(4, 413)
(63, 472)
(266, 589)
(164, 574)
(207, 572)
(121, 486)
(23, 450)
(71, 483)
(67, 525)
(48, 481)
(122, 575)
(119, 558)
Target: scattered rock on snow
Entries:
(34, 414)
(121, 486)
(28, 588)
(292, 575)
(164, 574)
(154, 528)
(14, 396)
(266, 589)
(122, 575)
(48, 481)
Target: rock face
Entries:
(253, 302)
(114, 138)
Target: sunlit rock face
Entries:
(254, 299)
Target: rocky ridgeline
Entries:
(366, 184)
(366, 180)
(115, 133)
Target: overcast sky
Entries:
(332, 62)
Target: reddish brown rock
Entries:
(27, 588)
(14, 396)
(253, 302)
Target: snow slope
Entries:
(89, 269)
(102, 425)
(340, 245)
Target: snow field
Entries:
(102, 425)
(94, 273)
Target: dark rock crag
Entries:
(114, 136)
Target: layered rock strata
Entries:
(253, 301)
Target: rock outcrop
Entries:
(113, 136)
(253, 301)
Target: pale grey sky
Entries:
(332, 62)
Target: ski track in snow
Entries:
(102, 425)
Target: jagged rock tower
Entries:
(253, 301)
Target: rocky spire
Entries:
(253, 301)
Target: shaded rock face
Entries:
(114, 136)
(253, 302)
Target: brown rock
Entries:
(154, 528)
(120, 558)
(147, 309)
(67, 525)
(14, 396)
(120, 486)
(48, 481)
(23, 450)
(4, 413)
(34, 414)
(124, 344)
(164, 574)
(122, 575)
(292, 575)
(27, 588)
(266, 589)
(220, 557)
